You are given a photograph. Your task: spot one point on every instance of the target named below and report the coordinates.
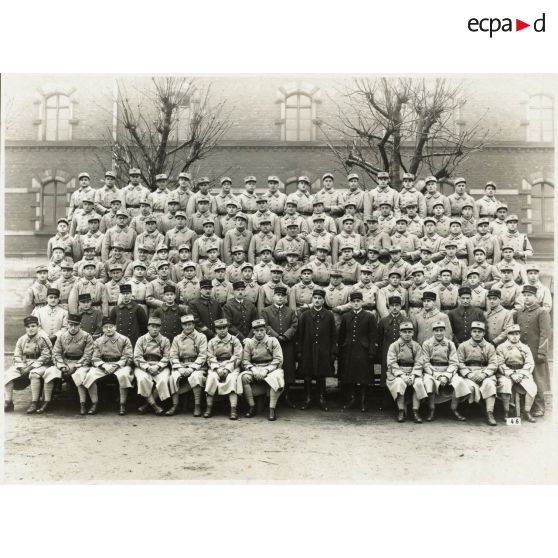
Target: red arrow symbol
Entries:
(519, 25)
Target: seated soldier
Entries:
(515, 372)
(262, 359)
(31, 357)
(188, 356)
(440, 371)
(112, 354)
(478, 365)
(224, 355)
(404, 372)
(152, 371)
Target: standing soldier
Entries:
(488, 204)
(112, 354)
(91, 286)
(414, 293)
(292, 216)
(160, 195)
(139, 284)
(152, 372)
(337, 295)
(138, 222)
(408, 243)
(107, 193)
(347, 238)
(518, 269)
(300, 296)
(317, 346)
(180, 235)
(429, 315)
(239, 236)
(167, 221)
(478, 293)
(544, 297)
(282, 324)
(483, 240)
(224, 355)
(368, 289)
(234, 270)
(128, 316)
(478, 365)
(329, 196)
(202, 195)
(91, 318)
(522, 248)
(292, 242)
(117, 259)
(239, 312)
(253, 291)
(328, 223)
(170, 313)
(36, 295)
(80, 220)
(498, 226)
(52, 317)
(113, 286)
(432, 197)
(77, 197)
(415, 224)
(382, 194)
(535, 327)
(62, 236)
(134, 192)
(65, 283)
(119, 235)
(188, 356)
(393, 288)
(31, 357)
(488, 274)
(497, 318)
(263, 214)
(375, 237)
(302, 196)
(357, 350)
(276, 198)
(276, 280)
(264, 238)
(188, 287)
(224, 196)
(184, 190)
(208, 240)
(262, 270)
(355, 194)
(429, 268)
(410, 195)
(512, 297)
(440, 371)
(318, 236)
(150, 239)
(155, 289)
(228, 221)
(320, 266)
(206, 309)
(93, 236)
(441, 219)
(348, 266)
(515, 371)
(460, 197)
(247, 198)
(262, 361)
(404, 371)
(108, 220)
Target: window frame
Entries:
(284, 93)
(545, 210)
(538, 121)
(58, 183)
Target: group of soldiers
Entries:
(182, 289)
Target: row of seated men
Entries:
(303, 341)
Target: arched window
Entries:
(52, 204)
(298, 117)
(540, 117)
(57, 117)
(542, 205)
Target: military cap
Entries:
(273, 178)
(117, 246)
(291, 252)
(437, 203)
(204, 180)
(459, 181)
(89, 246)
(146, 201)
(220, 266)
(317, 201)
(323, 247)
(394, 300)
(125, 288)
(455, 221)
(318, 292)
(306, 267)
(211, 248)
(430, 179)
(250, 179)
(408, 176)
(264, 249)
(261, 199)
(121, 213)
(63, 220)
(280, 290)
(206, 284)
(335, 272)
(83, 175)
(464, 290)
(74, 318)
(238, 285)
(54, 292)
(395, 249)
(188, 264)
(88, 263)
(351, 248)
(508, 247)
(183, 247)
(494, 292)
(394, 272)
(478, 325)
(532, 267)
(506, 267)
(246, 265)
(292, 201)
(162, 176)
(347, 218)
(473, 272)
(226, 179)
(84, 297)
(511, 218)
(28, 320)
(401, 220)
(318, 217)
(466, 204)
(385, 202)
(221, 322)
(416, 270)
(258, 323)
(411, 203)
(153, 320)
(529, 289)
(445, 270)
(173, 197)
(161, 248)
(430, 219)
(133, 171)
(41, 267)
(304, 179)
(276, 269)
(234, 203)
(327, 175)
(116, 200)
(59, 246)
(142, 248)
(169, 289)
(406, 326)
(438, 324)
(356, 295)
(110, 173)
(89, 198)
(162, 263)
(426, 249)
(483, 221)
(429, 295)
(241, 216)
(291, 225)
(502, 206)
(115, 266)
(373, 249)
(236, 249)
(349, 203)
(383, 174)
(353, 175)
(450, 243)
(66, 265)
(490, 183)
(202, 200)
(185, 175)
(515, 328)
(366, 269)
(208, 222)
(371, 219)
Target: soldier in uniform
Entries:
(497, 318)
(515, 372)
(375, 237)
(54, 265)
(62, 236)
(65, 283)
(410, 195)
(291, 242)
(276, 280)
(429, 268)
(107, 193)
(478, 293)
(320, 266)
(441, 219)
(202, 201)
(263, 238)
(188, 357)
(483, 239)
(262, 270)
(408, 243)
(88, 284)
(351, 211)
(253, 291)
(386, 218)
(276, 198)
(535, 327)
(544, 297)
(167, 221)
(415, 226)
(478, 365)
(432, 197)
(300, 297)
(137, 223)
(488, 204)
(93, 236)
(170, 313)
(281, 323)
(262, 361)
(52, 317)
(302, 196)
(150, 238)
(36, 294)
(228, 221)
(368, 289)
(518, 269)
(108, 220)
(448, 292)
(224, 196)
(329, 196)
(201, 216)
(337, 295)
(348, 266)
(152, 371)
(139, 284)
(457, 267)
(383, 193)
(462, 317)
(205, 309)
(488, 274)
(460, 197)
(179, 235)
(498, 225)
(247, 198)
(347, 238)
(80, 224)
(292, 216)
(355, 194)
(522, 248)
(292, 269)
(440, 371)
(239, 236)
(404, 371)
(128, 316)
(319, 213)
(212, 265)
(84, 190)
(263, 213)
(120, 235)
(113, 286)
(224, 355)
(396, 263)
(160, 195)
(357, 350)
(220, 286)
(393, 288)
(233, 272)
(512, 297)
(208, 239)
(188, 287)
(388, 332)
(318, 236)
(239, 312)
(415, 292)
(468, 222)
(32, 355)
(111, 354)
(134, 192)
(91, 318)
(378, 269)
(430, 314)
(155, 289)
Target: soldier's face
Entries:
(121, 220)
(238, 257)
(89, 271)
(221, 331)
(514, 337)
(427, 304)
(163, 272)
(412, 210)
(292, 259)
(184, 254)
(508, 254)
(212, 255)
(418, 278)
(336, 280)
(154, 329)
(353, 183)
(480, 257)
(220, 274)
(115, 205)
(247, 275)
(183, 183)
(394, 280)
(240, 294)
(173, 207)
(490, 191)
(473, 280)
(116, 275)
(259, 333)
(84, 181)
(87, 207)
(348, 226)
(52, 300)
(279, 299)
(266, 256)
(455, 229)
(150, 226)
(109, 330)
(328, 183)
(438, 210)
(465, 300)
(240, 223)
(161, 184)
(426, 257)
(533, 276)
(169, 298)
(208, 229)
(291, 208)
(507, 276)
(467, 212)
(439, 333)
(512, 226)
(62, 228)
(382, 182)
(477, 334)
(321, 255)
(365, 277)
(57, 255)
(493, 302)
(231, 210)
(42, 275)
(302, 187)
(205, 292)
(460, 188)
(250, 187)
(134, 179)
(347, 254)
(318, 208)
(501, 214)
(67, 273)
(180, 222)
(276, 276)
(450, 251)
(318, 300)
(385, 210)
(431, 187)
(401, 227)
(85, 305)
(395, 256)
(145, 208)
(139, 272)
(73, 327)
(94, 226)
(32, 329)
(529, 298)
(395, 309)
(126, 298)
(265, 227)
(109, 181)
(204, 188)
(292, 231)
(306, 276)
(407, 183)
(356, 304)
(482, 228)
(406, 334)
(430, 228)
(273, 185)
(189, 273)
(226, 187)
(262, 206)
(203, 206)
(445, 278)
(372, 255)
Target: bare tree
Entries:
(401, 125)
(165, 126)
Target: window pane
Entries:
(52, 101)
(292, 101)
(290, 134)
(48, 211)
(304, 135)
(304, 101)
(291, 113)
(305, 113)
(63, 101)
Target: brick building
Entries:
(56, 126)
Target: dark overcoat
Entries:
(388, 333)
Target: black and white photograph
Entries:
(279, 278)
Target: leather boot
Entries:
(538, 413)
(122, 409)
(32, 408)
(197, 410)
(506, 415)
(233, 415)
(43, 408)
(8, 406)
(142, 409)
(529, 417)
(159, 411)
(82, 409)
(208, 412)
(93, 409)
(458, 416)
(416, 417)
(172, 411)
(490, 418)
(271, 415)
(307, 395)
(431, 414)
(251, 412)
(401, 416)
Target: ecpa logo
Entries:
(493, 25)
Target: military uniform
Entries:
(409, 196)
(320, 271)
(220, 290)
(296, 219)
(266, 354)
(424, 321)
(240, 316)
(331, 199)
(512, 299)
(515, 358)
(123, 236)
(488, 275)
(152, 351)
(198, 218)
(404, 358)
(188, 290)
(202, 244)
(260, 216)
(36, 294)
(457, 202)
(154, 292)
(343, 239)
(291, 273)
(132, 197)
(276, 202)
(225, 353)
(77, 197)
(71, 250)
(497, 322)
(487, 206)
(478, 357)
(205, 312)
(383, 296)
(377, 196)
(461, 319)
(268, 290)
(388, 333)
(288, 244)
(436, 198)
(262, 272)
(94, 288)
(170, 319)
(303, 201)
(188, 355)
(237, 238)
(257, 242)
(51, 319)
(490, 245)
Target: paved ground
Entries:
(338, 446)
